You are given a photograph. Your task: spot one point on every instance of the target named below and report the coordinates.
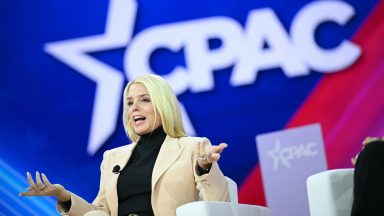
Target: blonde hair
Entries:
(164, 102)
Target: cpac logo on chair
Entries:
(292, 149)
(283, 156)
(286, 164)
(296, 53)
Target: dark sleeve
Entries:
(67, 205)
(368, 191)
(202, 171)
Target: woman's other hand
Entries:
(366, 141)
(43, 187)
(207, 154)
(371, 139)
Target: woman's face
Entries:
(140, 110)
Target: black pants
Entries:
(368, 192)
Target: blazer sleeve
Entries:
(212, 186)
(79, 206)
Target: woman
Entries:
(161, 170)
(368, 187)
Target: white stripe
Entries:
(18, 188)
(22, 179)
(2, 214)
(13, 171)
(10, 208)
(10, 195)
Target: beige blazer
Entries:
(174, 180)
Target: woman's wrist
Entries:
(201, 171)
(205, 167)
(64, 196)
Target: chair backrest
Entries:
(94, 213)
(331, 192)
(232, 187)
(206, 208)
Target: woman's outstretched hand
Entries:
(207, 154)
(43, 187)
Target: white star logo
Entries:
(277, 155)
(289, 153)
(109, 81)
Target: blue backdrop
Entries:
(47, 103)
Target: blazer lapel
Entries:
(169, 152)
(120, 157)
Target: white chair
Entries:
(330, 192)
(205, 208)
(96, 213)
(232, 188)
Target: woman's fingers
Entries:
(221, 147)
(202, 147)
(32, 189)
(370, 139)
(217, 149)
(203, 155)
(28, 193)
(197, 148)
(215, 156)
(46, 181)
(39, 183)
(29, 188)
(214, 152)
(31, 182)
(207, 153)
(41, 186)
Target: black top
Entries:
(134, 182)
(368, 190)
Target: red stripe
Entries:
(252, 190)
(329, 101)
(346, 103)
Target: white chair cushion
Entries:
(205, 208)
(330, 192)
